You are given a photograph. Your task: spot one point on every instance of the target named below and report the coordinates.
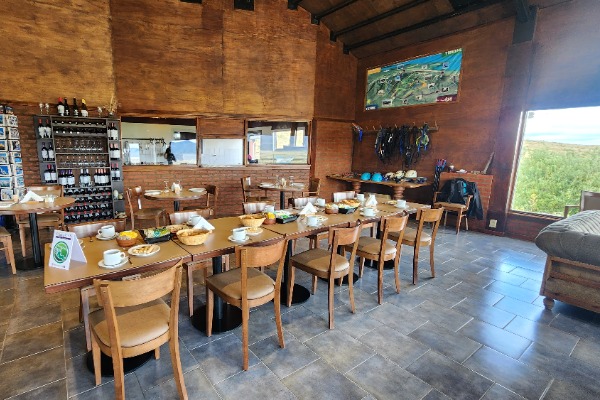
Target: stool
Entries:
(459, 209)
(6, 241)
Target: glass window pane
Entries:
(277, 142)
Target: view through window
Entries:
(560, 157)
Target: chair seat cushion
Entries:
(230, 283)
(371, 245)
(450, 206)
(318, 259)
(410, 236)
(137, 325)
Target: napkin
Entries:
(204, 224)
(308, 209)
(371, 201)
(31, 196)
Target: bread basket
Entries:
(127, 241)
(192, 237)
(252, 220)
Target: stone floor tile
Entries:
(30, 318)
(385, 380)
(304, 324)
(442, 316)
(561, 390)
(553, 338)
(196, 384)
(74, 341)
(484, 312)
(283, 361)
(439, 296)
(354, 325)
(451, 344)
(133, 390)
(32, 341)
(498, 392)
(55, 390)
(403, 321)
(525, 310)
(449, 377)
(576, 327)
(586, 350)
(505, 342)
(513, 291)
(256, 383)
(319, 380)
(154, 372)
(339, 349)
(393, 345)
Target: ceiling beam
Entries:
(316, 18)
(463, 10)
(293, 4)
(333, 35)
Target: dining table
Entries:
(282, 189)
(33, 208)
(176, 197)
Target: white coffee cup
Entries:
(312, 220)
(107, 231)
(269, 208)
(238, 234)
(194, 219)
(368, 212)
(401, 203)
(320, 202)
(360, 197)
(113, 257)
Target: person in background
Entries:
(169, 156)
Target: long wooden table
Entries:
(398, 187)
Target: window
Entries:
(559, 158)
(277, 142)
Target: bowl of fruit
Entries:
(331, 208)
(127, 238)
(269, 218)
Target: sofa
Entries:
(572, 271)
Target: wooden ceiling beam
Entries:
(333, 35)
(316, 18)
(462, 10)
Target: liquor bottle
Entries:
(50, 152)
(84, 110)
(41, 129)
(66, 106)
(53, 176)
(44, 152)
(61, 107)
(75, 108)
(47, 177)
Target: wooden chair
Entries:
(256, 206)
(181, 217)
(247, 191)
(7, 246)
(382, 250)
(339, 196)
(87, 229)
(211, 199)
(314, 187)
(54, 219)
(418, 238)
(247, 287)
(589, 201)
(135, 320)
(459, 209)
(294, 202)
(328, 264)
(142, 214)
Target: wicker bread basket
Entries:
(126, 241)
(252, 220)
(192, 237)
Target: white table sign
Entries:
(65, 247)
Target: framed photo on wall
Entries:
(423, 80)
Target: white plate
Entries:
(101, 264)
(231, 239)
(253, 232)
(369, 216)
(298, 185)
(197, 190)
(105, 238)
(130, 251)
(266, 184)
(152, 192)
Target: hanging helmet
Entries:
(410, 174)
(377, 177)
(365, 176)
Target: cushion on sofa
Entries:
(576, 238)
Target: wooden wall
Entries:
(467, 129)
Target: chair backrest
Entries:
(88, 229)
(245, 187)
(433, 215)
(344, 237)
(590, 201)
(211, 192)
(256, 206)
(381, 198)
(181, 217)
(314, 186)
(339, 196)
(260, 256)
(301, 201)
(134, 194)
(392, 224)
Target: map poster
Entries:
(423, 80)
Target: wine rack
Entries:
(84, 155)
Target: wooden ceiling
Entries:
(368, 27)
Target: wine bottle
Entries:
(61, 107)
(117, 172)
(71, 179)
(84, 110)
(44, 152)
(50, 152)
(75, 108)
(41, 129)
(47, 177)
(66, 106)
(53, 174)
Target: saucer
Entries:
(254, 232)
(402, 207)
(105, 238)
(231, 239)
(101, 264)
(265, 184)
(318, 224)
(152, 192)
(368, 216)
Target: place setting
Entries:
(113, 258)
(107, 232)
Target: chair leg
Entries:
(330, 302)
(290, 288)
(225, 266)
(96, 359)
(466, 223)
(277, 301)
(314, 284)
(361, 266)
(119, 375)
(445, 216)
(209, 311)
(351, 289)
(157, 353)
(22, 239)
(245, 318)
(11, 255)
(458, 218)
(431, 260)
(177, 370)
(397, 275)
(380, 281)
(189, 277)
(85, 312)
(416, 267)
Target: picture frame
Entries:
(4, 157)
(6, 182)
(3, 145)
(16, 169)
(14, 157)
(3, 130)
(14, 145)
(5, 170)
(6, 194)
(13, 133)
(18, 181)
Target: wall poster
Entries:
(422, 80)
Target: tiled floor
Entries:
(476, 331)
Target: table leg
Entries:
(38, 261)
(225, 316)
(301, 294)
(176, 205)
(281, 200)
(398, 192)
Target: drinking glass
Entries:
(166, 186)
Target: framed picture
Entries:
(5, 170)
(4, 159)
(13, 133)
(6, 194)
(5, 182)
(14, 157)
(18, 181)
(14, 145)
(16, 169)
(423, 80)
(3, 130)
(3, 145)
